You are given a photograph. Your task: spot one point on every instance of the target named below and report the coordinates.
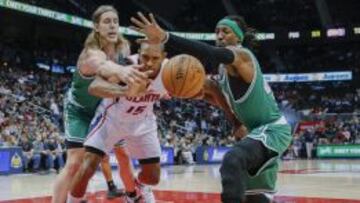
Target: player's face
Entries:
(108, 26)
(225, 36)
(151, 56)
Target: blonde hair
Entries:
(93, 40)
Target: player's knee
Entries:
(72, 163)
(151, 176)
(90, 164)
(71, 167)
(153, 180)
(155, 177)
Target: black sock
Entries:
(131, 194)
(111, 185)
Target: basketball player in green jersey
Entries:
(99, 59)
(249, 169)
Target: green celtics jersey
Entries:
(78, 95)
(257, 106)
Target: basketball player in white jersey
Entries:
(129, 119)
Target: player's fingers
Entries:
(123, 88)
(152, 19)
(136, 75)
(143, 18)
(141, 75)
(129, 80)
(137, 66)
(148, 73)
(138, 23)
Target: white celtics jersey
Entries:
(133, 109)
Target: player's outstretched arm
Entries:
(111, 89)
(94, 62)
(210, 56)
(213, 95)
(104, 89)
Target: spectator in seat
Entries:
(27, 149)
(55, 153)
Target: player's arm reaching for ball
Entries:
(237, 61)
(112, 88)
(213, 95)
(109, 74)
(94, 62)
(210, 56)
(105, 89)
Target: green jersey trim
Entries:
(262, 137)
(70, 99)
(259, 191)
(253, 82)
(74, 139)
(85, 77)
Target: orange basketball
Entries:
(183, 76)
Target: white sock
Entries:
(71, 199)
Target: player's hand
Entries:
(132, 75)
(149, 27)
(137, 89)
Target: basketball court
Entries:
(300, 181)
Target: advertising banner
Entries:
(309, 77)
(11, 160)
(338, 151)
(206, 155)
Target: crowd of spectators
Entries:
(31, 108)
(318, 98)
(335, 129)
(325, 57)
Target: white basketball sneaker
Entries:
(146, 192)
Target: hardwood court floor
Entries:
(300, 181)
